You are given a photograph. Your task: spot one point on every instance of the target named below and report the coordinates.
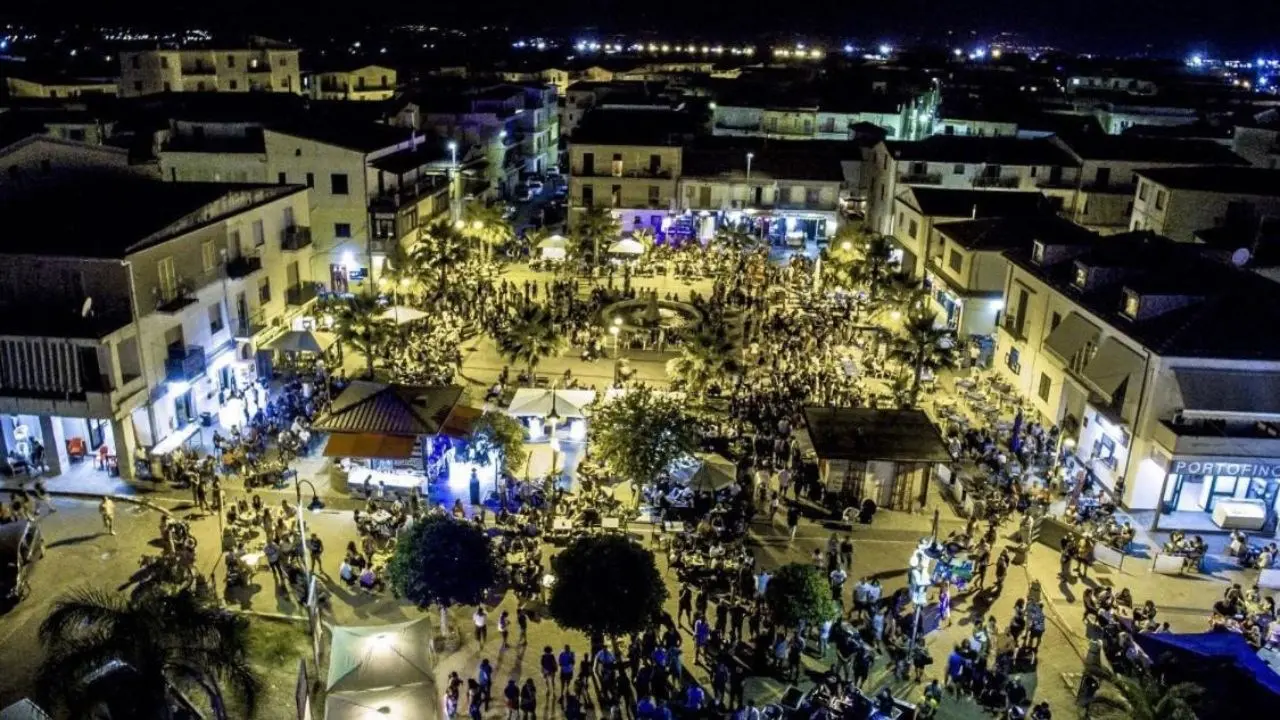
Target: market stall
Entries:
(401, 314)
(390, 436)
(300, 348)
(406, 702)
(380, 656)
(535, 407)
(555, 247)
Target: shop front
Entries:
(1216, 494)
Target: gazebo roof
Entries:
(390, 409)
(863, 434)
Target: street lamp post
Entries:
(750, 155)
(453, 181)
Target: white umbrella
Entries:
(704, 472)
(401, 314)
(555, 242)
(406, 702)
(363, 658)
(312, 341)
(537, 402)
(627, 246)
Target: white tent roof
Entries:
(555, 242)
(704, 472)
(627, 246)
(407, 702)
(24, 709)
(380, 656)
(537, 402)
(312, 341)
(401, 314)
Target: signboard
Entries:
(1228, 467)
(356, 274)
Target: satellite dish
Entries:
(1241, 257)
(87, 308)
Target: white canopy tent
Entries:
(380, 656)
(24, 709)
(311, 341)
(627, 246)
(401, 314)
(406, 702)
(554, 247)
(539, 402)
(704, 472)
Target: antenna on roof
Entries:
(1241, 257)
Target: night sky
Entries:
(1243, 26)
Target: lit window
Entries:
(1131, 303)
(1037, 252)
(1082, 276)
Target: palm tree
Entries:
(922, 348)
(1141, 697)
(398, 272)
(529, 337)
(148, 647)
(596, 225)
(442, 248)
(357, 324)
(705, 356)
(486, 224)
(875, 271)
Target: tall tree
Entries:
(876, 268)
(596, 226)
(923, 348)
(355, 319)
(799, 593)
(445, 562)
(529, 337)
(706, 356)
(1141, 697)
(497, 439)
(639, 435)
(606, 584)
(486, 224)
(442, 249)
(156, 642)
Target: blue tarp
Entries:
(1219, 645)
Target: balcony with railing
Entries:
(394, 199)
(184, 364)
(199, 69)
(633, 173)
(1203, 436)
(295, 238)
(247, 327)
(301, 294)
(920, 178)
(243, 266)
(1010, 325)
(997, 181)
(174, 299)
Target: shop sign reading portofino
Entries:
(1226, 468)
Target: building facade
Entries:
(262, 65)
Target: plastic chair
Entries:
(76, 449)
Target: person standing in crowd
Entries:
(504, 627)
(481, 621)
(511, 693)
(484, 677)
(793, 521)
(568, 662)
(548, 663)
(522, 620)
(529, 700)
(316, 548)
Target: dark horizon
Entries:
(1163, 27)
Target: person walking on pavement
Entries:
(793, 521)
(504, 627)
(511, 693)
(271, 551)
(481, 621)
(522, 620)
(484, 676)
(107, 509)
(686, 603)
(846, 552)
(568, 662)
(529, 701)
(549, 665)
(316, 548)
(42, 497)
(1002, 569)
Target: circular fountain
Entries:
(652, 317)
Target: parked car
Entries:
(21, 543)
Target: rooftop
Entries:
(113, 216)
(947, 203)
(1230, 180)
(390, 409)
(863, 434)
(359, 137)
(634, 127)
(403, 161)
(1138, 148)
(982, 150)
(776, 161)
(1008, 233)
(1224, 306)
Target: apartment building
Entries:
(628, 161)
(1103, 196)
(334, 160)
(131, 305)
(785, 193)
(966, 269)
(750, 109)
(57, 88)
(1179, 201)
(918, 209)
(1147, 353)
(259, 65)
(981, 163)
(363, 83)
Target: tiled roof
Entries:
(868, 434)
(370, 407)
(980, 150)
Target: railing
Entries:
(920, 178)
(299, 295)
(243, 266)
(174, 299)
(199, 70)
(184, 364)
(996, 182)
(296, 237)
(661, 174)
(396, 198)
(1011, 326)
(247, 327)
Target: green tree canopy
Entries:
(486, 224)
(798, 592)
(606, 584)
(442, 249)
(529, 337)
(706, 356)
(357, 325)
(593, 228)
(496, 433)
(922, 348)
(640, 434)
(442, 561)
(159, 642)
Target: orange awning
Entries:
(370, 445)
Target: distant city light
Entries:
(958, 52)
(980, 53)
(995, 53)
(848, 48)
(1197, 60)
(886, 50)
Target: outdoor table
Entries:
(251, 559)
(517, 558)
